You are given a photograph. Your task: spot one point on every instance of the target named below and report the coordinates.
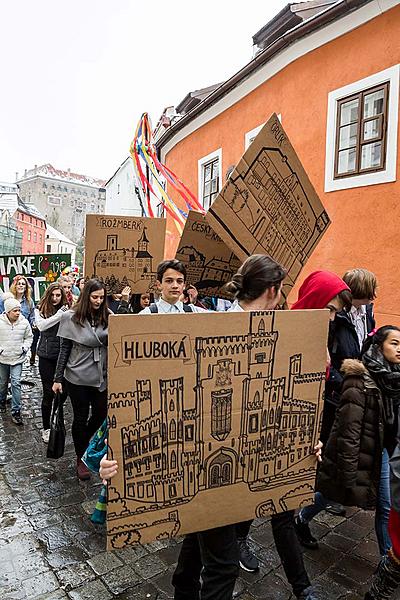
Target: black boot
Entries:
(386, 580)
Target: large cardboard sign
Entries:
(213, 419)
(269, 205)
(124, 251)
(209, 262)
(39, 269)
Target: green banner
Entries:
(39, 269)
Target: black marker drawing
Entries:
(234, 423)
(124, 251)
(136, 262)
(269, 206)
(209, 262)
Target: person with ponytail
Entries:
(257, 286)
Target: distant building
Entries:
(64, 198)
(124, 195)
(122, 192)
(10, 236)
(32, 225)
(22, 226)
(58, 243)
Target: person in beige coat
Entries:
(15, 342)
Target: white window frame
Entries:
(389, 173)
(250, 135)
(200, 168)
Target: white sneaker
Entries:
(46, 435)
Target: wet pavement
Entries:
(50, 550)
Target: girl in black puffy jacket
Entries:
(47, 318)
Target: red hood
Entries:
(318, 289)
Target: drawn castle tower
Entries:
(144, 260)
(262, 395)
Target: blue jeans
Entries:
(309, 512)
(12, 372)
(383, 507)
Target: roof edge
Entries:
(310, 25)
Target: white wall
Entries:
(121, 198)
(60, 247)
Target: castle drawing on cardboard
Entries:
(209, 263)
(124, 251)
(223, 420)
(136, 262)
(268, 205)
(208, 276)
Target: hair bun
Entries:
(236, 284)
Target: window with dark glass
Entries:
(361, 132)
(210, 183)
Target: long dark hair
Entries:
(378, 337)
(258, 273)
(82, 308)
(46, 307)
(135, 302)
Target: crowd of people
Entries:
(359, 452)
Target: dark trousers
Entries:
(85, 399)
(213, 554)
(242, 529)
(289, 550)
(47, 368)
(36, 336)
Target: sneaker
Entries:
(247, 560)
(304, 534)
(46, 435)
(81, 470)
(334, 508)
(308, 594)
(16, 418)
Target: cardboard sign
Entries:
(210, 264)
(213, 419)
(269, 206)
(39, 269)
(124, 251)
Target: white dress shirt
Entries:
(167, 308)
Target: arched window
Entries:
(171, 406)
(271, 416)
(173, 460)
(172, 430)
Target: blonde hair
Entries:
(362, 283)
(28, 290)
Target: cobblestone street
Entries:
(50, 550)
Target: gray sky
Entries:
(76, 75)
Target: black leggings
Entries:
(214, 556)
(289, 550)
(47, 369)
(83, 399)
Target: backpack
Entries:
(154, 308)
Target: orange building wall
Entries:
(365, 220)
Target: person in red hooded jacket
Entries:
(321, 289)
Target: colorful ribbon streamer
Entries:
(147, 166)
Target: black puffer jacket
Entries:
(343, 343)
(49, 343)
(351, 465)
